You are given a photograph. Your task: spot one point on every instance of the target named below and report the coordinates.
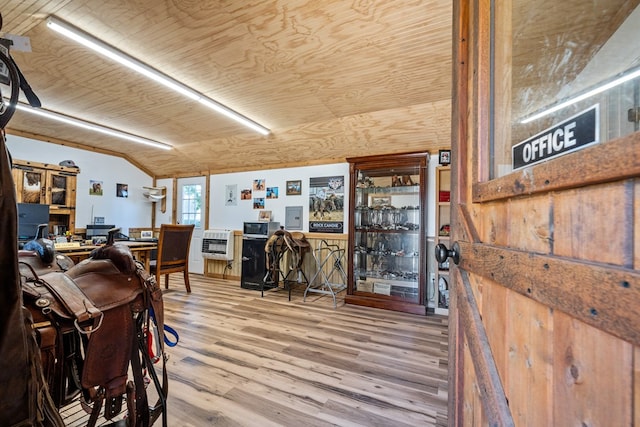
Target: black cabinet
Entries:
(254, 266)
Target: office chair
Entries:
(173, 252)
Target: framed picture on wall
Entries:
(294, 188)
(259, 185)
(231, 195)
(272, 192)
(95, 188)
(264, 216)
(122, 190)
(444, 157)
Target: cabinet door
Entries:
(30, 185)
(386, 240)
(61, 189)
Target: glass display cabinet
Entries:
(387, 236)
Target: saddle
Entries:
(92, 324)
(280, 243)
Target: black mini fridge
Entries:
(254, 266)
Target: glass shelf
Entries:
(386, 244)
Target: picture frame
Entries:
(258, 203)
(122, 190)
(146, 234)
(264, 216)
(444, 157)
(294, 188)
(380, 201)
(272, 192)
(231, 195)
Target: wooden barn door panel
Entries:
(544, 325)
(529, 345)
(589, 223)
(591, 375)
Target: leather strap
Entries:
(75, 301)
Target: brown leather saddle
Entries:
(281, 243)
(92, 323)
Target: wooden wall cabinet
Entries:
(51, 185)
(443, 233)
(387, 236)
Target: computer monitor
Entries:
(98, 230)
(30, 215)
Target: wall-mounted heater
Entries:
(218, 244)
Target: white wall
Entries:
(431, 195)
(232, 217)
(133, 211)
(165, 217)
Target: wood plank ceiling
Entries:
(330, 78)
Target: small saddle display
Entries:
(281, 244)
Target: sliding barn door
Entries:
(545, 310)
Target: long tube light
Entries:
(93, 127)
(599, 89)
(120, 57)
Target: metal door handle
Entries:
(442, 253)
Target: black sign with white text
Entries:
(574, 133)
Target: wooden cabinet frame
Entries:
(389, 163)
(57, 188)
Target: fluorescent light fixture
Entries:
(122, 58)
(581, 97)
(91, 126)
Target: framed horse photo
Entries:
(294, 188)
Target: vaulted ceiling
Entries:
(330, 78)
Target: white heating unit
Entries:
(218, 244)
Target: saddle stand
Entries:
(285, 249)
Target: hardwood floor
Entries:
(243, 360)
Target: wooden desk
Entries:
(141, 251)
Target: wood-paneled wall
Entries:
(219, 269)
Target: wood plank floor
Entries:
(244, 360)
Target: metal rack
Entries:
(329, 261)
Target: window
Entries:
(191, 212)
(556, 64)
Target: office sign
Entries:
(572, 134)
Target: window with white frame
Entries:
(191, 205)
